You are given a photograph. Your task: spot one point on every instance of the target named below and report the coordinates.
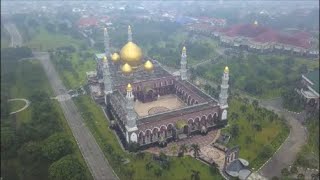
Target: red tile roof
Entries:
(88, 21)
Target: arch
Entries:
(197, 102)
(169, 129)
(192, 101)
(141, 133)
(189, 100)
(163, 128)
(224, 115)
(134, 137)
(190, 121)
(165, 83)
(197, 123)
(148, 135)
(155, 129)
(203, 120)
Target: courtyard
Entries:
(162, 104)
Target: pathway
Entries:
(24, 107)
(16, 39)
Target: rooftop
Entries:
(313, 76)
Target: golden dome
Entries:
(129, 87)
(104, 59)
(131, 54)
(126, 68)
(184, 49)
(148, 66)
(115, 57)
(226, 69)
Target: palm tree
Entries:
(174, 149)
(183, 148)
(196, 150)
(195, 175)
(300, 176)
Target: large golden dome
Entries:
(131, 54)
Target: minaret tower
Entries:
(106, 79)
(131, 124)
(131, 115)
(183, 70)
(106, 42)
(223, 96)
(129, 34)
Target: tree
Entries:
(275, 178)
(196, 150)
(300, 176)
(30, 153)
(255, 103)
(243, 108)
(195, 175)
(183, 148)
(67, 168)
(234, 131)
(294, 170)
(174, 149)
(284, 172)
(57, 146)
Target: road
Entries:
(93, 155)
(16, 39)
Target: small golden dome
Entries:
(184, 49)
(131, 54)
(104, 59)
(115, 57)
(126, 68)
(129, 87)
(148, 66)
(226, 69)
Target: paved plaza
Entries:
(212, 154)
(164, 103)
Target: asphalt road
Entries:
(93, 155)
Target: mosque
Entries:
(149, 105)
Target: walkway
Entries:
(16, 39)
(24, 107)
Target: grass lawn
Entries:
(252, 141)
(180, 168)
(30, 74)
(45, 40)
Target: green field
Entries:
(260, 132)
(26, 76)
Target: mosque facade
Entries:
(149, 105)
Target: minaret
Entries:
(183, 70)
(129, 34)
(106, 42)
(106, 79)
(131, 115)
(223, 96)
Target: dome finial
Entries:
(115, 57)
(226, 69)
(129, 34)
(129, 87)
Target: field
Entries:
(257, 131)
(26, 76)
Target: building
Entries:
(150, 106)
(310, 88)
